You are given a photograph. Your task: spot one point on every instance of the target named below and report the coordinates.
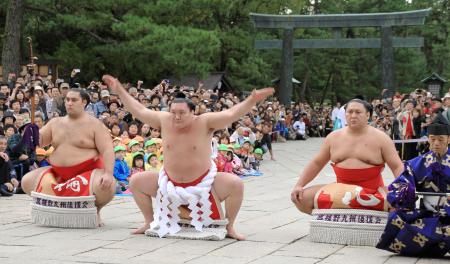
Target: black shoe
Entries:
(19, 190)
(4, 190)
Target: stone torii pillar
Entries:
(387, 43)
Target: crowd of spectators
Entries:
(405, 118)
(237, 149)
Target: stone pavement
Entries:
(276, 231)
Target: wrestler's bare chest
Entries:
(188, 142)
(363, 150)
(78, 134)
(187, 153)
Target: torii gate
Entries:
(336, 22)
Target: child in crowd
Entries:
(228, 166)
(133, 147)
(150, 148)
(247, 155)
(246, 147)
(116, 141)
(221, 158)
(158, 142)
(41, 158)
(121, 169)
(138, 163)
(140, 140)
(237, 150)
(153, 163)
(258, 154)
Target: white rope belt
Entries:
(170, 197)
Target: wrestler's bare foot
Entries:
(231, 233)
(142, 229)
(100, 222)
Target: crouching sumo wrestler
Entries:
(188, 177)
(79, 182)
(359, 153)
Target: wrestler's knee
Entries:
(134, 183)
(306, 203)
(238, 184)
(29, 180)
(226, 184)
(304, 206)
(100, 192)
(144, 182)
(230, 181)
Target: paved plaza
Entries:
(276, 231)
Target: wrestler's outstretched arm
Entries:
(222, 119)
(132, 105)
(311, 170)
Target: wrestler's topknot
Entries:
(366, 105)
(83, 94)
(180, 95)
(181, 98)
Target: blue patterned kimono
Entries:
(419, 231)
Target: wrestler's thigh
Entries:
(30, 180)
(145, 182)
(226, 183)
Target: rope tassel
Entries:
(216, 231)
(65, 212)
(170, 197)
(347, 226)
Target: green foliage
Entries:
(155, 39)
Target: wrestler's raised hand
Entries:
(297, 194)
(262, 94)
(112, 82)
